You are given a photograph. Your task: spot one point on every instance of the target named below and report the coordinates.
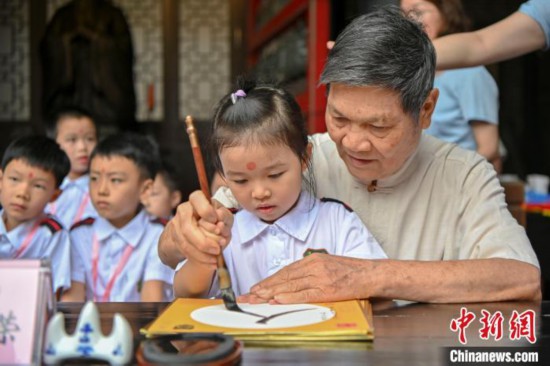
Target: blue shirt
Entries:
(539, 10)
(144, 264)
(74, 203)
(465, 95)
(50, 241)
(258, 249)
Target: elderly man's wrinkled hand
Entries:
(316, 278)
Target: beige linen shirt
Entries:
(445, 203)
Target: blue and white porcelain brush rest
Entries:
(88, 341)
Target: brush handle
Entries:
(197, 157)
(203, 180)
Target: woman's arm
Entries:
(513, 36)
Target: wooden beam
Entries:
(170, 15)
(37, 16)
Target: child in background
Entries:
(75, 131)
(114, 256)
(32, 170)
(164, 196)
(260, 146)
(214, 177)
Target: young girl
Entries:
(260, 146)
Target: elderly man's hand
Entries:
(199, 231)
(317, 278)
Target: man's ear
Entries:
(146, 187)
(427, 110)
(1, 175)
(309, 152)
(56, 194)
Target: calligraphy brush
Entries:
(224, 279)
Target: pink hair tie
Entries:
(235, 96)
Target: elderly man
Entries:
(437, 210)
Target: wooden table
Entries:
(405, 333)
(538, 231)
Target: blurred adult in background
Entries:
(467, 109)
(524, 31)
(87, 62)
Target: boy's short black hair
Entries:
(140, 149)
(68, 112)
(41, 152)
(168, 173)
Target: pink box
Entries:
(26, 304)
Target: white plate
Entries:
(304, 314)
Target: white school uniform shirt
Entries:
(50, 241)
(258, 249)
(142, 234)
(74, 203)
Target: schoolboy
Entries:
(114, 256)
(164, 196)
(75, 132)
(32, 170)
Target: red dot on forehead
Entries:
(251, 165)
(31, 175)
